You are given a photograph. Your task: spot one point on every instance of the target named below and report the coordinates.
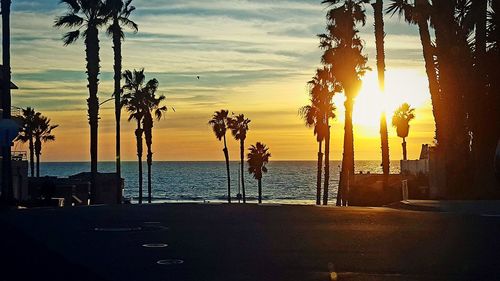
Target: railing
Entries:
(19, 155)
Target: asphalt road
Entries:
(246, 242)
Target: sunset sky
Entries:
(253, 57)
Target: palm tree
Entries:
(119, 16)
(27, 119)
(86, 17)
(239, 128)
(219, 124)
(317, 115)
(258, 157)
(42, 132)
(133, 100)
(419, 12)
(343, 57)
(152, 106)
(401, 120)
(314, 118)
(379, 42)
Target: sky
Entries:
(253, 57)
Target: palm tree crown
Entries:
(43, 129)
(258, 157)
(239, 126)
(119, 13)
(83, 14)
(401, 119)
(219, 123)
(27, 120)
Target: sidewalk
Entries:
(478, 207)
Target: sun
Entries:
(401, 86)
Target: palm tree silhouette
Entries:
(258, 157)
(401, 120)
(27, 119)
(419, 12)
(317, 115)
(89, 16)
(344, 58)
(239, 128)
(219, 124)
(379, 42)
(119, 12)
(313, 117)
(42, 132)
(133, 100)
(152, 106)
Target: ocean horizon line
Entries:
(209, 161)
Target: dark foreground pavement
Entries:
(237, 242)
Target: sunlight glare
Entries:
(401, 86)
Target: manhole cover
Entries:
(155, 245)
(116, 229)
(170, 262)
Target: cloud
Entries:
(253, 56)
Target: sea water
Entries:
(286, 181)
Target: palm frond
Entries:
(71, 37)
(69, 20)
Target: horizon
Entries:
(257, 61)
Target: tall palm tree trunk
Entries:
(117, 49)
(38, 151)
(403, 144)
(7, 191)
(327, 165)
(454, 88)
(379, 41)
(242, 156)
(138, 135)
(430, 69)
(259, 181)
(92, 56)
(348, 154)
(32, 155)
(318, 176)
(226, 155)
(149, 143)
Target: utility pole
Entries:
(7, 192)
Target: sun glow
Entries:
(401, 86)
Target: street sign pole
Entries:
(7, 192)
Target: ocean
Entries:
(287, 182)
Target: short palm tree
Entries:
(152, 107)
(133, 100)
(258, 157)
(401, 120)
(42, 132)
(119, 12)
(239, 128)
(27, 119)
(86, 17)
(219, 124)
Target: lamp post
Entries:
(7, 192)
